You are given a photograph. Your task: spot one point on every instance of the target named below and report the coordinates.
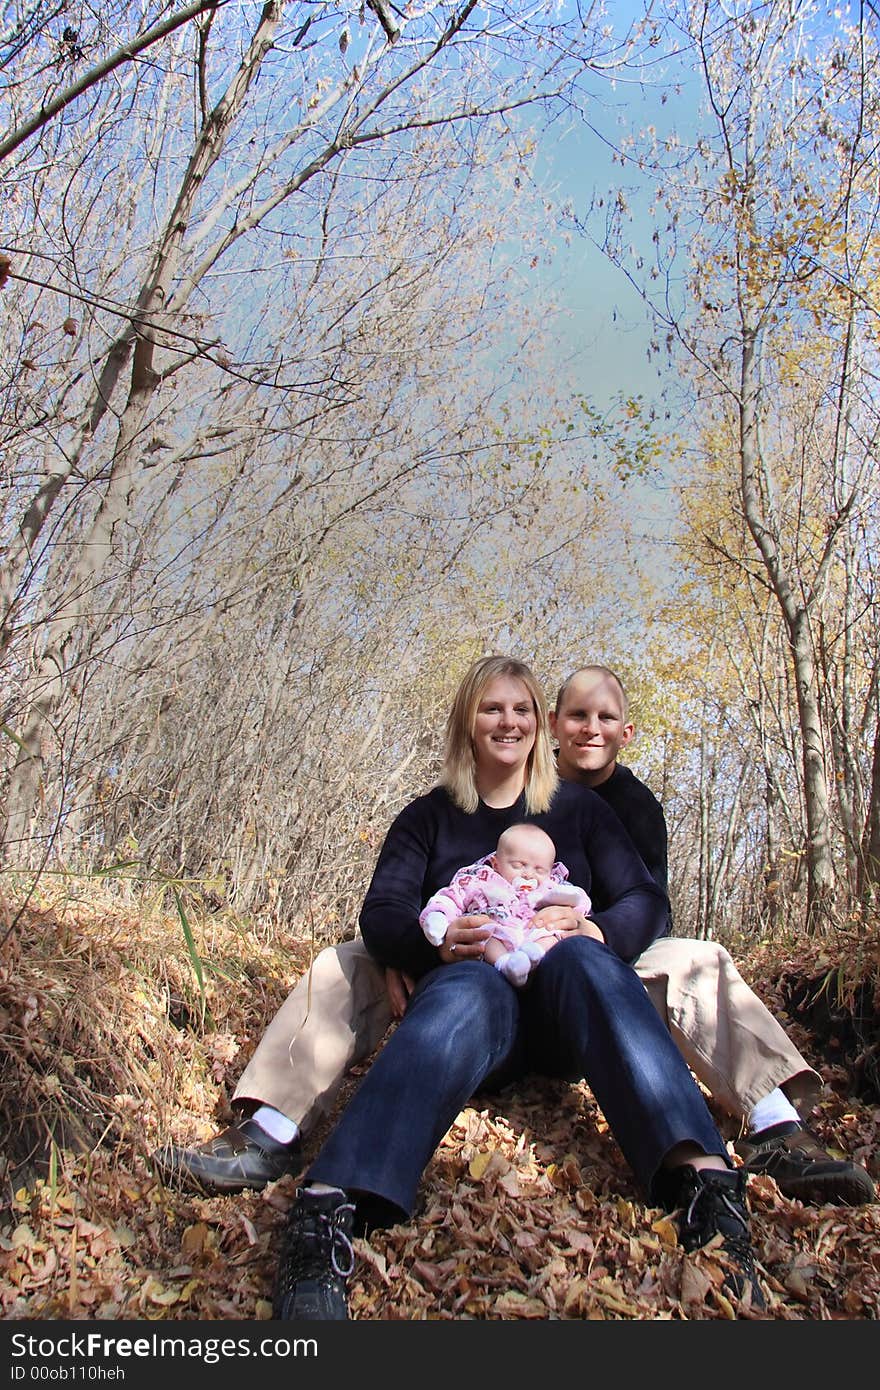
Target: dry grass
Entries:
(108, 1037)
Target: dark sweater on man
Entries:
(432, 838)
(642, 818)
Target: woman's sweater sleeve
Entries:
(389, 919)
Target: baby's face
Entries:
(522, 860)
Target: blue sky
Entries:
(609, 328)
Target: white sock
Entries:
(276, 1125)
(772, 1110)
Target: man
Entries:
(341, 1009)
(724, 1032)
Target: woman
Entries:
(583, 1014)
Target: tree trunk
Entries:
(869, 879)
(821, 879)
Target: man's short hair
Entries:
(591, 670)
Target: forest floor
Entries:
(109, 1042)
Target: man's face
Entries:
(590, 728)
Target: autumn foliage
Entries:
(527, 1211)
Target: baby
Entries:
(510, 886)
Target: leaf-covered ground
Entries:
(528, 1210)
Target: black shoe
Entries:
(713, 1202)
(801, 1168)
(316, 1258)
(240, 1157)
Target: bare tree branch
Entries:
(101, 70)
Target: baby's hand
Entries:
(558, 919)
(564, 921)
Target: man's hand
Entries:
(466, 938)
(564, 921)
(398, 987)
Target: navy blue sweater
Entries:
(431, 838)
(642, 818)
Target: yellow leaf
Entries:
(725, 1305)
(666, 1229)
(158, 1294)
(166, 1298)
(486, 1163)
(479, 1163)
(626, 1212)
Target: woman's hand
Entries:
(564, 921)
(466, 938)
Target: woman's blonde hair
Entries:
(459, 775)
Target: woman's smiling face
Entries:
(504, 726)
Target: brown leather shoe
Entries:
(802, 1169)
(242, 1156)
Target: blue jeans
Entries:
(584, 1014)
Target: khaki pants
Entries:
(338, 1014)
(729, 1039)
(335, 1016)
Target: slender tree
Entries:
(206, 282)
(774, 211)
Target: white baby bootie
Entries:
(515, 966)
(534, 952)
